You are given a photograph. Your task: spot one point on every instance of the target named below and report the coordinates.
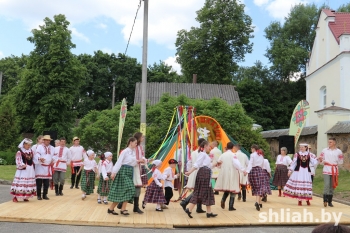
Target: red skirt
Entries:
(203, 191)
(154, 194)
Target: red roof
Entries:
(341, 24)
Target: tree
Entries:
(162, 73)
(9, 129)
(344, 8)
(11, 68)
(291, 43)
(220, 42)
(51, 80)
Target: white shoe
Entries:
(83, 197)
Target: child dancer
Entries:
(105, 172)
(267, 173)
(154, 192)
(88, 177)
(169, 177)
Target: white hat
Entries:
(303, 144)
(26, 140)
(108, 154)
(90, 152)
(156, 162)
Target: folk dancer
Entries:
(178, 181)
(299, 185)
(257, 175)
(312, 167)
(77, 152)
(228, 179)
(214, 155)
(61, 157)
(123, 187)
(203, 191)
(154, 192)
(192, 179)
(43, 160)
(243, 179)
(105, 172)
(23, 186)
(267, 173)
(89, 169)
(39, 141)
(281, 173)
(169, 178)
(330, 157)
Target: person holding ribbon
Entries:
(330, 158)
(23, 185)
(60, 159)
(43, 167)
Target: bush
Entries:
(7, 157)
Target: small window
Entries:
(323, 97)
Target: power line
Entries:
(137, 11)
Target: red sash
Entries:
(334, 174)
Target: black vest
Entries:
(303, 161)
(27, 158)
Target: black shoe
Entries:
(200, 211)
(124, 212)
(244, 195)
(136, 206)
(330, 199)
(56, 189)
(39, 198)
(216, 193)
(211, 215)
(45, 197)
(260, 206)
(183, 205)
(71, 187)
(264, 199)
(257, 206)
(77, 187)
(188, 213)
(143, 205)
(112, 212)
(119, 206)
(60, 190)
(239, 197)
(160, 210)
(231, 203)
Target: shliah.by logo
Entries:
(285, 215)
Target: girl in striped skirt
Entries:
(154, 192)
(203, 191)
(88, 176)
(257, 176)
(123, 188)
(105, 174)
(281, 173)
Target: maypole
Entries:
(123, 110)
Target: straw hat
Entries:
(76, 138)
(47, 137)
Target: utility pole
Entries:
(0, 81)
(113, 95)
(144, 69)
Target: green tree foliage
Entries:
(9, 122)
(99, 130)
(344, 8)
(291, 43)
(162, 73)
(11, 68)
(269, 101)
(213, 49)
(51, 80)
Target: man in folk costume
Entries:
(312, 167)
(330, 157)
(43, 162)
(192, 179)
(243, 179)
(77, 154)
(228, 179)
(214, 154)
(61, 157)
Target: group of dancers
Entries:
(208, 170)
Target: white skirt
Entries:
(299, 185)
(24, 185)
(192, 180)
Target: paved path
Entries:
(52, 228)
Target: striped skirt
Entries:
(104, 185)
(257, 179)
(88, 181)
(299, 185)
(281, 175)
(144, 177)
(122, 188)
(203, 190)
(154, 194)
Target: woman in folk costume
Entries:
(228, 179)
(243, 179)
(267, 173)
(39, 141)
(281, 173)
(23, 185)
(192, 179)
(299, 185)
(203, 191)
(154, 192)
(105, 172)
(123, 189)
(257, 177)
(89, 169)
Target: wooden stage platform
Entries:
(71, 210)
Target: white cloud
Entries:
(171, 61)
(79, 35)
(102, 25)
(279, 9)
(1, 55)
(165, 17)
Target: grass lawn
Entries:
(7, 172)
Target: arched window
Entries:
(323, 97)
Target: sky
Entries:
(106, 25)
